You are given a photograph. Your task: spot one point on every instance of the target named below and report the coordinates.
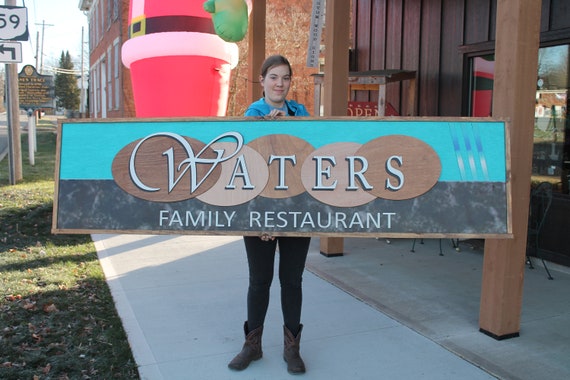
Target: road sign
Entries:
(316, 28)
(10, 52)
(13, 23)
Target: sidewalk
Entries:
(182, 302)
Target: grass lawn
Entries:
(57, 316)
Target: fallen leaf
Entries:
(46, 369)
(50, 308)
(29, 305)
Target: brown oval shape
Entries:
(257, 176)
(150, 178)
(333, 185)
(400, 167)
(283, 145)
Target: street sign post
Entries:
(13, 23)
(10, 52)
(13, 27)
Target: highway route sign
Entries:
(10, 52)
(13, 23)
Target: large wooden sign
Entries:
(396, 177)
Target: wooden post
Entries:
(335, 101)
(13, 117)
(256, 49)
(516, 57)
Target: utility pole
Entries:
(13, 118)
(81, 95)
(37, 48)
(43, 24)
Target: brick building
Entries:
(109, 86)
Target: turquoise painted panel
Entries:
(469, 150)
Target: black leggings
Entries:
(261, 259)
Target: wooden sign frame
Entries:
(331, 177)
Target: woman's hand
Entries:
(275, 113)
(266, 237)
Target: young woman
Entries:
(275, 79)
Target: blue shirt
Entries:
(261, 108)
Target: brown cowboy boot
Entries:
(251, 349)
(295, 364)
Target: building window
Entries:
(100, 21)
(92, 92)
(551, 155)
(109, 5)
(117, 84)
(551, 148)
(96, 91)
(481, 85)
(109, 79)
(115, 10)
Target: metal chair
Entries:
(540, 201)
(455, 244)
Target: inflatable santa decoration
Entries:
(180, 54)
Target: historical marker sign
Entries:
(292, 176)
(35, 90)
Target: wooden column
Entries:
(256, 49)
(15, 166)
(335, 88)
(516, 56)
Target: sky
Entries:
(56, 23)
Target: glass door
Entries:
(551, 141)
(551, 152)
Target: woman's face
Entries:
(276, 85)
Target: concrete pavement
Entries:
(379, 311)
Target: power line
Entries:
(59, 70)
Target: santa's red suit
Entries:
(178, 65)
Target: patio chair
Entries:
(455, 244)
(540, 201)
